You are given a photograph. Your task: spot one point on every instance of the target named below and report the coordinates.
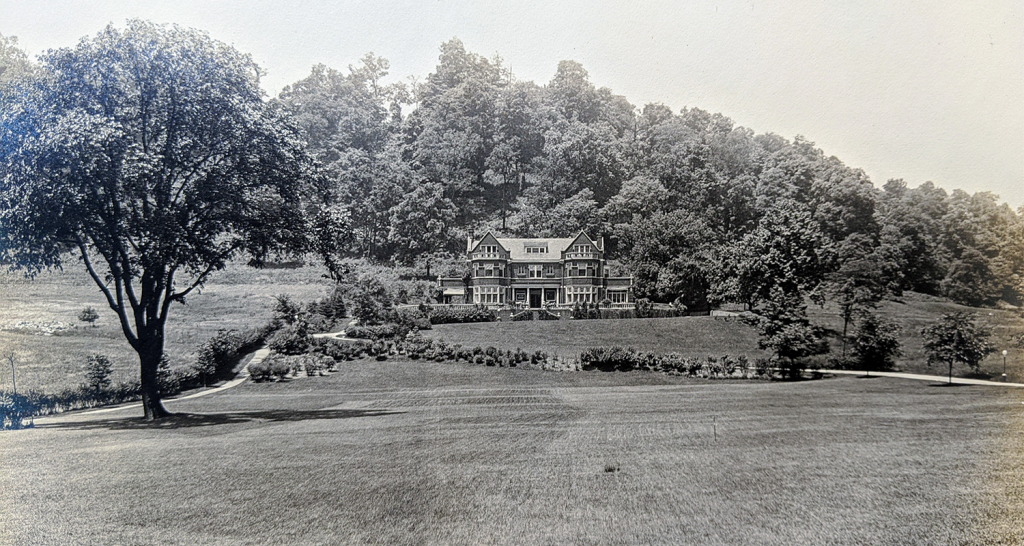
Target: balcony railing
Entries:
(582, 256)
(487, 256)
(582, 281)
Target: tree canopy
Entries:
(149, 154)
(957, 338)
(522, 159)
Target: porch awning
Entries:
(454, 291)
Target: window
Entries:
(536, 249)
(489, 270)
(521, 271)
(580, 294)
(591, 271)
(549, 270)
(617, 296)
(491, 249)
(487, 294)
(581, 248)
(535, 271)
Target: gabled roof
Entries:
(487, 239)
(516, 247)
(584, 239)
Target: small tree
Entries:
(285, 309)
(785, 330)
(956, 338)
(371, 302)
(89, 315)
(97, 373)
(876, 345)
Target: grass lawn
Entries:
(703, 336)
(238, 297)
(690, 336)
(428, 453)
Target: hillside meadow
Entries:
(237, 298)
(913, 311)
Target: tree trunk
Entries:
(846, 324)
(950, 372)
(150, 357)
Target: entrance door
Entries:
(535, 298)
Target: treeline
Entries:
(699, 209)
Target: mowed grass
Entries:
(238, 297)
(689, 336)
(716, 336)
(428, 453)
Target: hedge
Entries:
(453, 315)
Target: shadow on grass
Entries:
(195, 420)
(947, 385)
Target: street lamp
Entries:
(1004, 365)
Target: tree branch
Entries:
(117, 305)
(178, 296)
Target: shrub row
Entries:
(325, 353)
(383, 331)
(16, 408)
(586, 311)
(626, 359)
(413, 318)
(277, 367)
(222, 352)
(217, 359)
(450, 315)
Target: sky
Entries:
(902, 89)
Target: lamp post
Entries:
(1004, 365)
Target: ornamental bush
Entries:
(219, 355)
(293, 339)
(260, 371)
(453, 315)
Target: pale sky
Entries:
(913, 90)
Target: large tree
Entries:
(149, 153)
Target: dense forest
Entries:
(699, 209)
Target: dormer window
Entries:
(581, 248)
(536, 248)
(489, 249)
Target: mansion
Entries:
(536, 273)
